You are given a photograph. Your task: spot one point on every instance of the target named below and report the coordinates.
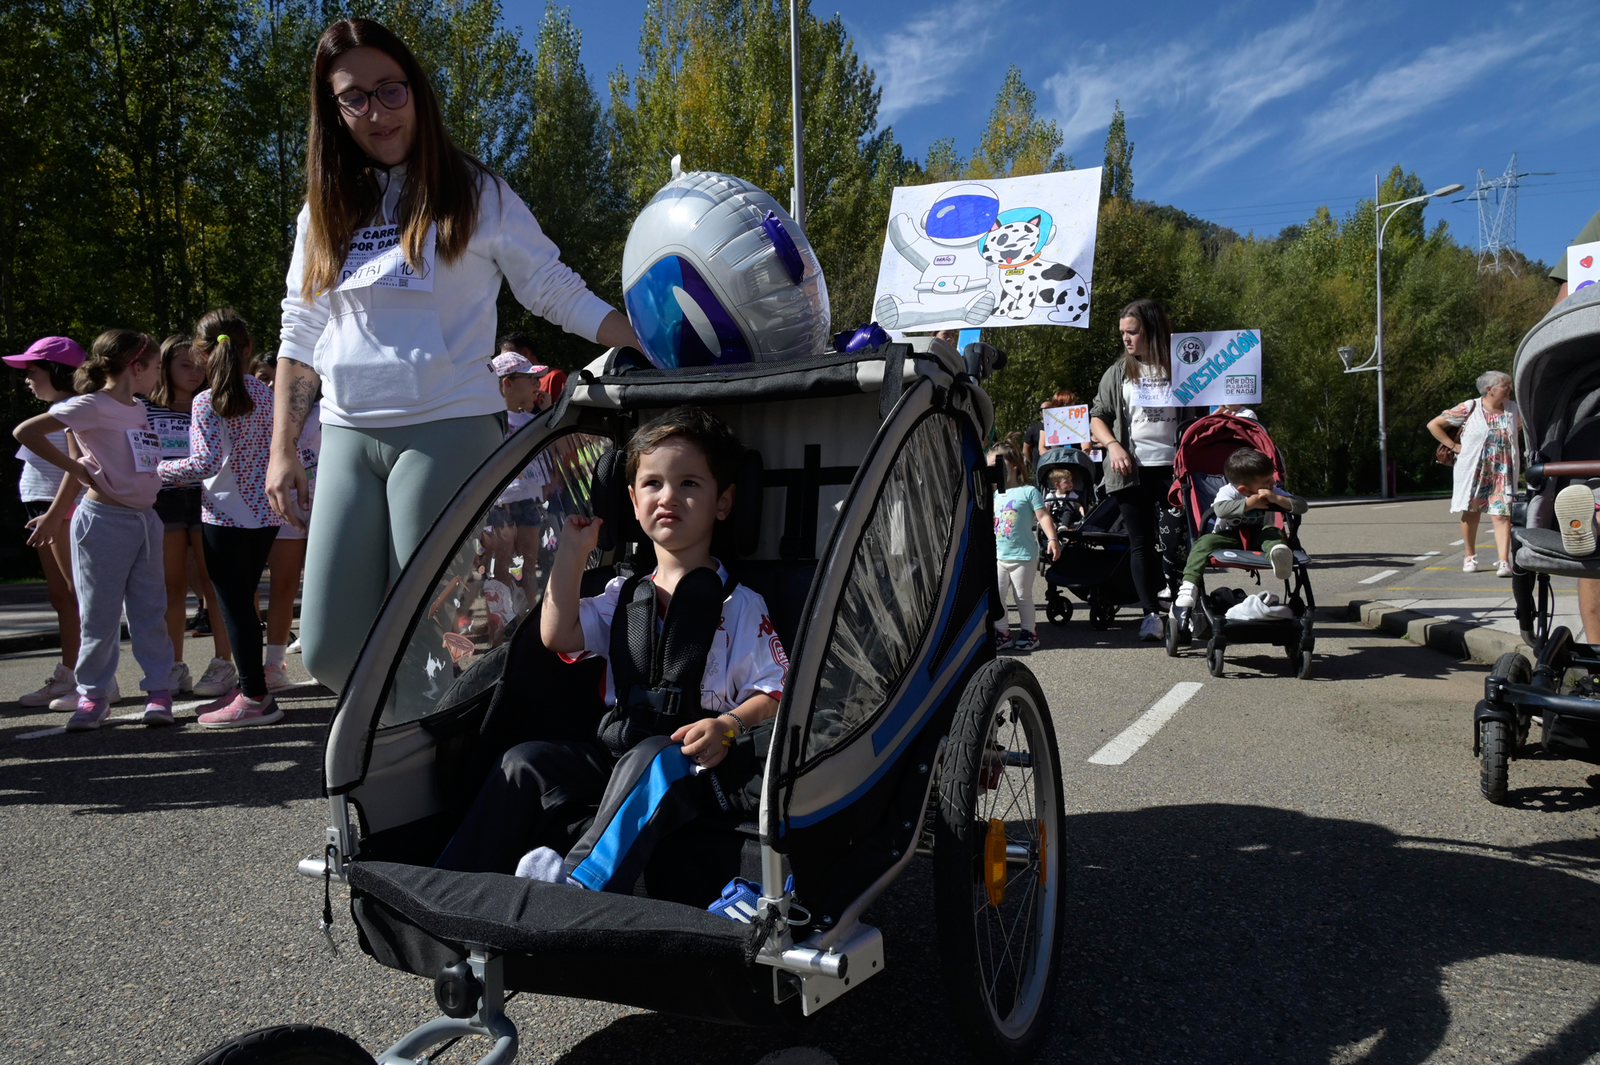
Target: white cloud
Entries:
(1367, 108)
(916, 63)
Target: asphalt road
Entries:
(1288, 871)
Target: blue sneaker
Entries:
(741, 899)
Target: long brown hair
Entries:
(1158, 338)
(109, 356)
(171, 348)
(222, 338)
(341, 190)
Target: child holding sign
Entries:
(116, 536)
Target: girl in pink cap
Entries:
(49, 363)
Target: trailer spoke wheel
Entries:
(998, 863)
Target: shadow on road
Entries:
(125, 767)
(1217, 933)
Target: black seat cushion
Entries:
(561, 940)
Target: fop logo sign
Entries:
(1191, 350)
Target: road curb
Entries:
(1372, 501)
(1474, 643)
(20, 642)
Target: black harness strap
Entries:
(657, 669)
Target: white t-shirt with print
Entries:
(746, 659)
(1153, 431)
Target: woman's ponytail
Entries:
(222, 338)
(109, 355)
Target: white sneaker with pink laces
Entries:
(243, 712)
(277, 676)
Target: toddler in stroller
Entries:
(1229, 484)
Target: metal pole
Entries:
(1383, 420)
(797, 191)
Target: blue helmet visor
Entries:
(680, 321)
(959, 217)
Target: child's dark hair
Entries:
(63, 378)
(109, 356)
(222, 338)
(702, 429)
(1247, 464)
(171, 348)
(267, 360)
(1007, 453)
(517, 340)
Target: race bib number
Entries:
(174, 436)
(1148, 393)
(376, 257)
(146, 450)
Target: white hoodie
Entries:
(390, 356)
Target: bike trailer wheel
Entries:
(288, 1044)
(998, 864)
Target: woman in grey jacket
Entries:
(399, 256)
(1140, 441)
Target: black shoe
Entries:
(201, 624)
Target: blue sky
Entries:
(1246, 113)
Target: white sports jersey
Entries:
(746, 657)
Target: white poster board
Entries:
(983, 254)
(1583, 266)
(1210, 369)
(1066, 426)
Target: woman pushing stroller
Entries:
(647, 781)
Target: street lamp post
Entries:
(1347, 355)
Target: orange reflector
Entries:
(1043, 853)
(994, 862)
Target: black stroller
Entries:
(1069, 516)
(863, 517)
(1197, 477)
(1557, 378)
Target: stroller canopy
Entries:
(1208, 442)
(1557, 377)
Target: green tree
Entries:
(1017, 142)
(1116, 180)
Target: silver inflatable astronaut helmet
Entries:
(716, 273)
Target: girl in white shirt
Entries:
(399, 256)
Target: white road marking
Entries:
(1382, 574)
(1457, 543)
(1424, 558)
(1136, 735)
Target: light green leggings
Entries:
(378, 493)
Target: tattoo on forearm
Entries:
(301, 390)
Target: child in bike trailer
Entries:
(658, 760)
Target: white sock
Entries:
(275, 653)
(542, 863)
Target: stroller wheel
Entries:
(1214, 658)
(1300, 661)
(1101, 615)
(998, 860)
(1496, 738)
(1058, 608)
(1173, 634)
(288, 1044)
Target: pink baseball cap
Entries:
(509, 362)
(64, 350)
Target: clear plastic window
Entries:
(494, 580)
(892, 587)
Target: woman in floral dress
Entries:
(1486, 465)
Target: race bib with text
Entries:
(146, 450)
(376, 257)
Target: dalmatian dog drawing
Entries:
(1026, 280)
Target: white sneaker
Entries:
(179, 680)
(219, 679)
(69, 701)
(278, 677)
(294, 646)
(1282, 558)
(1502, 569)
(1575, 519)
(61, 682)
(1151, 630)
(1469, 564)
(1185, 598)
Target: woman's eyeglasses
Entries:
(356, 102)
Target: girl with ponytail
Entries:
(230, 436)
(116, 536)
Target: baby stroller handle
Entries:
(1539, 470)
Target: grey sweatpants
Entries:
(117, 564)
(378, 493)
